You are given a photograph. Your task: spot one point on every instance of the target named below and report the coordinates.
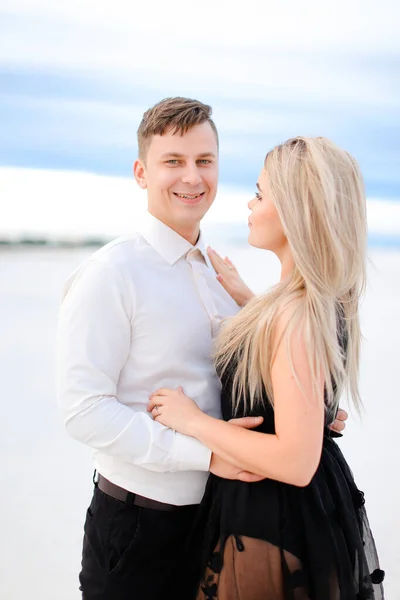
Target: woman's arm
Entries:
(291, 455)
(229, 278)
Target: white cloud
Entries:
(259, 49)
(257, 23)
(58, 204)
(71, 205)
(305, 62)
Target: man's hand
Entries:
(339, 423)
(247, 422)
(224, 469)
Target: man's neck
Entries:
(190, 234)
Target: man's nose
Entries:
(192, 175)
(251, 203)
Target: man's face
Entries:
(180, 174)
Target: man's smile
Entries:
(190, 198)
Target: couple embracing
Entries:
(212, 412)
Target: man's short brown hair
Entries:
(176, 114)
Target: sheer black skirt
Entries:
(273, 541)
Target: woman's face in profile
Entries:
(265, 226)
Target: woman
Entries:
(302, 532)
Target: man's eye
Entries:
(258, 196)
(205, 161)
(172, 161)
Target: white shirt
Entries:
(141, 313)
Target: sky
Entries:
(76, 77)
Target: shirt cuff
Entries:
(188, 454)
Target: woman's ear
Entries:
(139, 172)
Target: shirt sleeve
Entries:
(94, 340)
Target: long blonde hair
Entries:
(318, 191)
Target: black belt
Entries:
(121, 494)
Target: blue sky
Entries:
(76, 77)
(75, 80)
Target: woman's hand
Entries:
(174, 409)
(229, 278)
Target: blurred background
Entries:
(75, 79)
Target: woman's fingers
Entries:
(226, 262)
(217, 261)
(159, 397)
(161, 392)
(223, 266)
(156, 412)
(227, 285)
(214, 253)
(229, 278)
(154, 401)
(230, 264)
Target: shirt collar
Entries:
(169, 244)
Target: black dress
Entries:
(274, 541)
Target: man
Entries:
(140, 314)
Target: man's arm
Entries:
(94, 340)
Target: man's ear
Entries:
(139, 172)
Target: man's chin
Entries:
(192, 211)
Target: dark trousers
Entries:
(134, 553)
